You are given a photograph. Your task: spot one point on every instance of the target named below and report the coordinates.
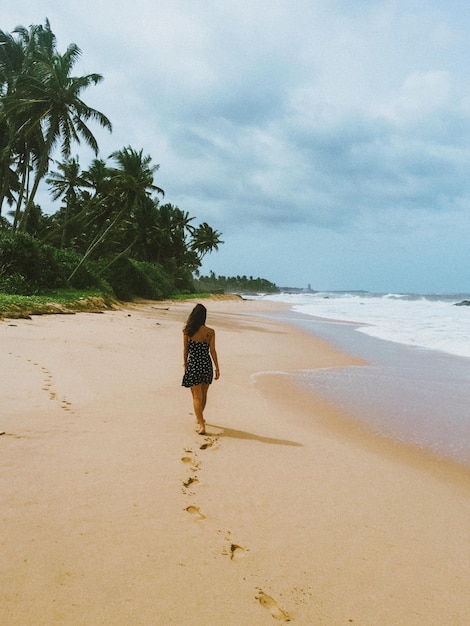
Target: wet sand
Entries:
(114, 511)
(417, 396)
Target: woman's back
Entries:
(203, 334)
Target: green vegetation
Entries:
(193, 296)
(111, 234)
(111, 225)
(234, 284)
(57, 301)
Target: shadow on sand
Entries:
(241, 434)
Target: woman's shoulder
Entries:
(204, 334)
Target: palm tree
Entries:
(205, 239)
(67, 183)
(131, 185)
(9, 182)
(56, 106)
(96, 204)
(43, 106)
(134, 177)
(98, 177)
(17, 66)
(171, 230)
(144, 231)
(11, 63)
(126, 187)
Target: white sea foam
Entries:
(426, 321)
(420, 397)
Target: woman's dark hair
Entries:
(196, 319)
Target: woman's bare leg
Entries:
(199, 404)
(205, 389)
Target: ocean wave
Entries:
(429, 321)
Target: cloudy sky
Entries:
(328, 140)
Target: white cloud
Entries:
(324, 128)
(421, 95)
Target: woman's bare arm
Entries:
(214, 354)
(185, 350)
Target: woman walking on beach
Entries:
(199, 352)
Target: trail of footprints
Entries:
(234, 551)
(48, 386)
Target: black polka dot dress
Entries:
(199, 364)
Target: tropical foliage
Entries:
(111, 224)
(41, 108)
(234, 284)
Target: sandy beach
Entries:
(115, 512)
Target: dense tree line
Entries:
(234, 284)
(111, 214)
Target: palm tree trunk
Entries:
(29, 203)
(22, 193)
(97, 240)
(118, 256)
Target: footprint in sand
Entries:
(209, 443)
(191, 480)
(237, 552)
(194, 464)
(272, 607)
(66, 405)
(195, 512)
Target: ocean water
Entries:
(425, 321)
(416, 385)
